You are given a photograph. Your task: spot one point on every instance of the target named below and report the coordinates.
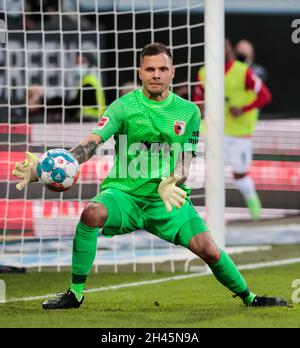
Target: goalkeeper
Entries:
(147, 123)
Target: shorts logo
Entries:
(102, 122)
(179, 127)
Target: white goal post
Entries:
(214, 116)
(44, 39)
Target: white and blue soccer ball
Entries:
(58, 169)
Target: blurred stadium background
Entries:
(43, 38)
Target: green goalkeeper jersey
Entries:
(150, 138)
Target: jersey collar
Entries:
(164, 102)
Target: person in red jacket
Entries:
(245, 94)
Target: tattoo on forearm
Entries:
(181, 181)
(183, 167)
(84, 152)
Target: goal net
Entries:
(39, 78)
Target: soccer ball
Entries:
(58, 169)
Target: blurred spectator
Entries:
(245, 94)
(128, 87)
(182, 91)
(46, 15)
(12, 13)
(244, 51)
(88, 100)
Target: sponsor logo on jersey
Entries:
(102, 122)
(179, 127)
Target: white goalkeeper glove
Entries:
(26, 170)
(171, 194)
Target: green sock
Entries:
(254, 207)
(227, 274)
(84, 252)
(249, 299)
(77, 290)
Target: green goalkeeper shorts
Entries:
(127, 213)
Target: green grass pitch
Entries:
(198, 302)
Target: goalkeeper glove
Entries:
(171, 194)
(26, 170)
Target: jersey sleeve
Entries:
(263, 95)
(111, 122)
(191, 136)
(252, 81)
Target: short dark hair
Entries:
(154, 49)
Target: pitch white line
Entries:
(269, 263)
(163, 280)
(111, 287)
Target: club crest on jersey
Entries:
(102, 122)
(179, 127)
